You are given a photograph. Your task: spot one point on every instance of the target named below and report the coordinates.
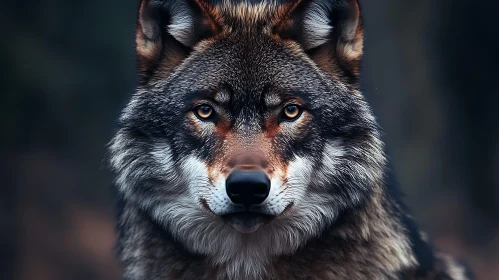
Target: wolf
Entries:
(249, 152)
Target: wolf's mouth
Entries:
(247, 222)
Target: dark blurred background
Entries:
(430, 72)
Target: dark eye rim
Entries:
(284, 117)
(209, 118)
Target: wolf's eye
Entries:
(204, 111)
(291, 112)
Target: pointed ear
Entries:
(330, 31)
(168, 30)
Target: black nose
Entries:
(247, 187)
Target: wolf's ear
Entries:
(167, 30)
(330, 31)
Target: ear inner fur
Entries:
(313, 24)
(166, 31)
(148, 38)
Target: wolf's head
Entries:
(247, 134)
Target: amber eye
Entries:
(292, 112)
(204, 111)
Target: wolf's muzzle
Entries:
(247, 187)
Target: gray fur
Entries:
(334, 216)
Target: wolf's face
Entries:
(247, 135)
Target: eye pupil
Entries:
(204, 111)
(291, 111)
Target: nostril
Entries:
(260, 189)
(234, 189)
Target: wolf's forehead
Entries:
(267, 98)
(250, 97)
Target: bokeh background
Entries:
(431, 72)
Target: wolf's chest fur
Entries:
(249, 152)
